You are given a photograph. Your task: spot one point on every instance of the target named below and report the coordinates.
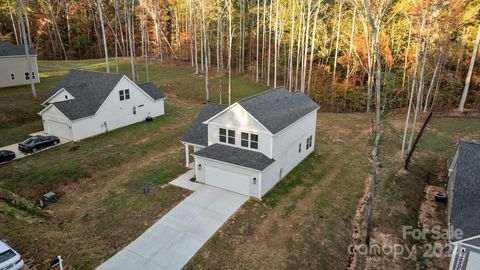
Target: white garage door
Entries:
(59, 129)
(235, 182)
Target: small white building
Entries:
(250, 146)
(87, 103)
(14, 65)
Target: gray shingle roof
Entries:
(235, 155)
(278, 108)
(465, 203)
(198, 132)
(152, 90)
(90, 90)
(9, 49)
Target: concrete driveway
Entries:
(19, 154)
(173, 240)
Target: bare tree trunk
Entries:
(339, 23)
(290, 56)
(145, 38)
(419, 97)
(305, 50)
(422, 74)
(432, 82)
(205, 46)
(13, 22)
(347, 76)
(100, 13)
(195, 35)
(258, 36)
(276, 46)
(312, 49)
(299, 39)
(230, 40)
(269, 43)
(26, 47)
(130, 40)
(263, 36)
(54, 19)
(378, 127)
(405, 61)
(412, 91)
(461, 107)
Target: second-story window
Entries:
(124, 94)
(231, 136)
(254, 141)
(223, 135)
(244, 138)
(227, 135)
(249, 140)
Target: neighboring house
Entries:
(249, 146)
(464, 206)
(14, 65)
(87, 103)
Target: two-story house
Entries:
(87, 103)
(252, 144)
(14, 63)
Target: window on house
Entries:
(66, 97)
(299, 147)
(244, 138)
(13, 76)
(27, 76)
(33, 75)
(223, 135)
(124, 94)
(254, 141)
(134, 110)
(309, 142)
(231, 136)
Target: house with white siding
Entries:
(14, 65)
(87, 103)
(463, 206)
(249, 146)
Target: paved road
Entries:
(19, 154)
(173, 240)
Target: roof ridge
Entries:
(262, 93)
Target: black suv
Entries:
(33, 144)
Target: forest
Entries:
(322, 47)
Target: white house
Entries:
(87, 103)
(464, 205)
(252, 144)
(14, 69)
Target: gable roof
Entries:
(198, 131)
(152, 90)
(278, 108)
(465, 201)
(235, 155)
(90, 89)
(9, 49)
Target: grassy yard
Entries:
(305, 222)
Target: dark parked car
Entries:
(6, 155)
(33, 144)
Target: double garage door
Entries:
(228, 180)
(58, 129)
